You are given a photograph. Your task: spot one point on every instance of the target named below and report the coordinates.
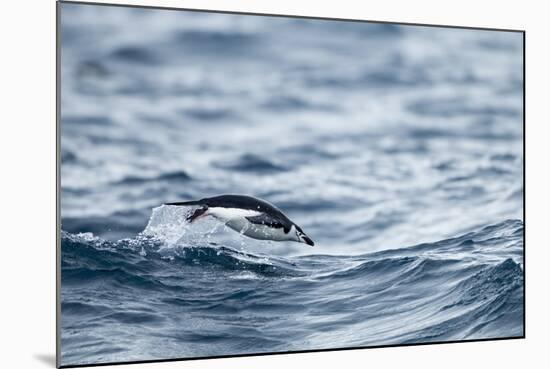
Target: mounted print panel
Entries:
(242, 184)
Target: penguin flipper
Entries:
(185, 203)
(200, 212)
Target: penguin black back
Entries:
(237, 201)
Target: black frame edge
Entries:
(58, 184)
(524, 191)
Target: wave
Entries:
(165, 241)
(470, 286)
(487, 304)
(364, 31)
(134, 55)
(88, 120)
(175, 176)
(209, 114)
(251, 163)
(86, 255)
(216, 41)
(449, 108)
(286, 103)
(126, 222)
(68, 157)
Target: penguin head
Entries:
(302, 237)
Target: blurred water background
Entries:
(372, 137)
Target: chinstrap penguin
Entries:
(249, 216)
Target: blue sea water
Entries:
(398, 150)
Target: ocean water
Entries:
(398, 150)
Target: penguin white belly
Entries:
(231, 214)
(257, 231)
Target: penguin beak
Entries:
(306, 239)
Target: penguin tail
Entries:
(185, 203)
